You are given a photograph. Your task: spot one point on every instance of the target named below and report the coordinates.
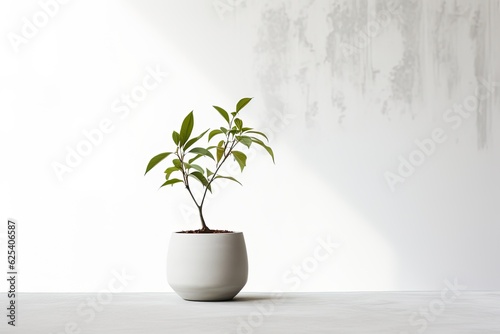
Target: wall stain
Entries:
(325, 52)
(347, 48)
(405, 76)
(273, 51)
(306, 69)
(481, 37)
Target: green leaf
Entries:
(202, 151)
(194, 140)
(223, 113)
(228, 177)
(195, 158)
(170, 170)
(247, 141)
(200, 177)
(220, 150)
(239, 123)
(241, 158)
(175, 137)
(259, 133)
(214, 133)
(242, 103)
(155, 160)
(186, 128)
(198, 168)
(171, 181)
(261, 143)
(177, 163)
(209, 172)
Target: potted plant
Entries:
(208, 264)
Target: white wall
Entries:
(342, 110)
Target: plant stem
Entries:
(204, 227)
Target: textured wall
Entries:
(393, 57)
(384, 117)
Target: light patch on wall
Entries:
(322, 211)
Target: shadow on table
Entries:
(251, 298)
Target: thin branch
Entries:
(185, 176)
(217, 170)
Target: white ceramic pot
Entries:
(207, 266)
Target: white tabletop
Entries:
(328, 312)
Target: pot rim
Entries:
(225, 233)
